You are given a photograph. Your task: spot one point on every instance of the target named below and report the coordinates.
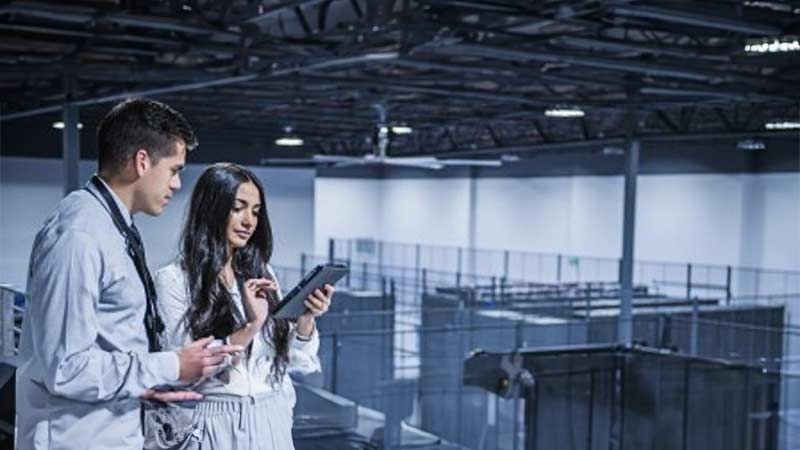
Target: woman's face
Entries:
(243, 218)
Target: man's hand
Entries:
(197, 361)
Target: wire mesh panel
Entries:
(357, 345)
(601, 397)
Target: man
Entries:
(90, 347)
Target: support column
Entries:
(625, 328)
(70, 147)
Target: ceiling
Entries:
(473, 78)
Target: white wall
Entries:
(346, 207)
(30, 189)
(693, 218)
(434, 212)
(736, 219)
(393, 210)
(773, 217)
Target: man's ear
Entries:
(141, 162)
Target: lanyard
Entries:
(154, 326)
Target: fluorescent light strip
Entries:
(401, 129)
(564, 112)
(774, 46)
(782, 126)
(60, 125)
(289, 142)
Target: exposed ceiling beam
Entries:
(599, 143)
(703, 20)
(281, 71)
(266, 13)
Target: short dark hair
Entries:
(140, 123)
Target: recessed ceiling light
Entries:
(289, 139)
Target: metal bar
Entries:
(417, 265)
(697, 19)
(303, 257)
(380, 258)
(357, 8)
(5, 313)
(473, 223)
(349, 260)
(685, 423)
(728, 273)
(693, 336)
(558, 268)
(322, 15)
(459, 251)
(364, 277)
(301, 17)
(70, 148)
(625, 329)
(664, 118)
(277, 9)
(590, 421)
(334, 363)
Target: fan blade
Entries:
(286, 161)
(335, 159)
(355, 162)
(420, 163)
(471, 162)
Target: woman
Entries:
(222, 285)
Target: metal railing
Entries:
(12, 307)
(429, 355)
(673, 279)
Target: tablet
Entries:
(292, 306)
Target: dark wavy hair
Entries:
(204, 251)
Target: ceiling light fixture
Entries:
(402, 129)
(751, 145)
(60, 125)
(289, 140)
(775, 6)
(782, 125)
(613, 151)
(564, 112)
(773, 45)
(509, 157)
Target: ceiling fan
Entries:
(379, 156)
